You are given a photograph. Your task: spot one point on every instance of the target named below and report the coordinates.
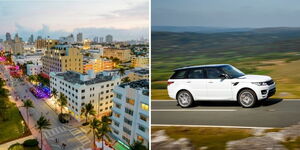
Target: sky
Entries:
(226, 13)
(124, 19)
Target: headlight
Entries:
(260, 83)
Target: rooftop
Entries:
(201, 66)
(74, 77)
(139, 84)
(142, 71)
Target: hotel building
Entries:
(130, 119)
(140, 61)
(82, 89)
(122, 54)
(98, 65)
(62, 58)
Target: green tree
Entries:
(94, 125)
(54, 93)
(62, 102)
(87, 110)
(138, 145)
(104, 129)
(125, 80)
(41, 124)
(121, 71)
(28, 104)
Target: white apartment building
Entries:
(138, 74)
(81, 89)
(33, 69)
(130, 119)
(25, 58)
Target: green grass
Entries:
(12, 128)
(292, 145)
(212, 138)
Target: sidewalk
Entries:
(32, 122)
(21, 140)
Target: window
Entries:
(130, 101)
(118, 106)
(196, 74)
(117, 115)
(213, 73)
(82, 91)
(129, 111)
(116, 132)
(126, 130)
(144, 118)
(145, 107)
(127, 121)
(126, 139)
(119, 96)
(142, 128)
(116, 123)
(180, 74)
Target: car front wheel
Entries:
(247, 98)
(185, 99)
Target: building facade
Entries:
(109, 38)
(130, 118)
(46, 44)
(140, 61)
(138, 74)
(79, 37)
(62, 58)
(124, 55)
(33, 69)
(81, 89)
(98, 65)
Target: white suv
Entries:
(218, 82)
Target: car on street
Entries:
(218, 82)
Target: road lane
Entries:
(272, 113)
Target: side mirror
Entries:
(224, 76)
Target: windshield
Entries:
(232, 71)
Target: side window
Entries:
(196, 74)
(213, 73)
(180, 74)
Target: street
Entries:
(74, 138)
(270, 114)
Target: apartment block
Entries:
(62, 58)
(140, 61)
(98, 65)
(82, 89)
(130, 118)
(138, 74)
(122, 54)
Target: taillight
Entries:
(170, 82)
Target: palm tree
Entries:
(87, 110)
(41, 124)
(125, 80)
(138, 145)
(94, 125)
(28, 104)
(54, 93)
(103, 130)
(121, 72)
(62, 101)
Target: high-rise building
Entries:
(122, 54)
(130, 118)
(39, 37)
(79, 37)
(109, 38)
(96, 39)
(81, 89)
(61, 58)
(31, 39)
(16, 45)
(45, 44)
(101, 39)
(8, 36)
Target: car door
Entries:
(218, 88)
(197, 83)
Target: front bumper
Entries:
(266, 92)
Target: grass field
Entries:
(13, 127)
(292, 145)
(212, 138)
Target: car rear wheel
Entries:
(247, 98)
(185, 99)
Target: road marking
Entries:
(193, 110)
(209, 126)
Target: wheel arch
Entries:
(244, 88)
(184, 90)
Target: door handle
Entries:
(188, 82)
(210, 82)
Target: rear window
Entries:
(179, 74)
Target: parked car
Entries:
(218, 82)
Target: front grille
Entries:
(270, 82)
(272, 92)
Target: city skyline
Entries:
(125, 20)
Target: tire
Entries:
(247, 98)
(185, 99)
